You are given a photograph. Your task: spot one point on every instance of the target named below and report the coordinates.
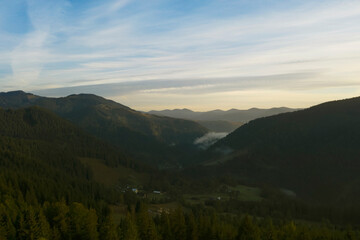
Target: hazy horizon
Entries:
(169, 109)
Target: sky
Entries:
(196, 54)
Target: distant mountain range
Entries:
(150, 138)
(313, 152)
(222, 121)
(232, 115)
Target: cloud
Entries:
(116, 48)
(189, 86)
(209, 139)
(28, 57)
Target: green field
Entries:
(246, 193)
(240, 192)
(113, 176)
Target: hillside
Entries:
(313, 152)
(39, 155)
(49, 185)
(147, 137)
(58, 182)
(38, 146)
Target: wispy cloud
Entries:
(191, 86)
(118, 47)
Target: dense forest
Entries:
(58, 220)
(41, 172)
(52, 187)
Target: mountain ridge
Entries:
(312, 152)
(143, 135)
(232, 115)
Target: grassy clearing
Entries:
(119, 211)
(113, 176)
(202, 198)
(246, 193)
(156, 197)
(164, 207)
(240, 192)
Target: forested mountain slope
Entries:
(313, 152)
(45, 190)
(146, 136)
(48, 192)
(44, 151)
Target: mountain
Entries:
(48, 191)
(50, 187)
(147, 137)
(44, 156)
(232, 115)
(313, 153)
(219, 120)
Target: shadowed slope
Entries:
(313, 152)
(39, 155)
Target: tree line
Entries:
(59, 220)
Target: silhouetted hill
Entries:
(232, 115)
(313, 152)
(146, 136)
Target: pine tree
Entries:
(55, 234)
(178, 225)
(192, 230)
(44, 227)
(145, 223)
(269, 232)
(91, 225)
(289, 231)
(107, 229)
(57, 213)
(7, 229)
(248, 230)
(31, 224)
(164, 227)
(129, 228)
(78, 221)
(350, 233)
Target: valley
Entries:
(179, 120)
(114, 166)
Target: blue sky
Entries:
(198, 54)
